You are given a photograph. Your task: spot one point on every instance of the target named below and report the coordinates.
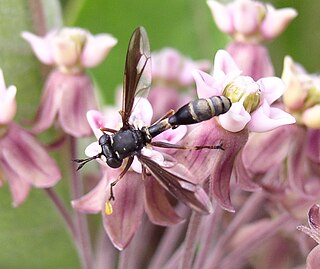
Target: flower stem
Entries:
(62, 210)
(190, 242)
(249, 209)
(84, 243)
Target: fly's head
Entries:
(108, 154)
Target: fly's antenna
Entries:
(82, 162)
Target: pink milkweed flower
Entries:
(249, 23)
(133, 196)
(172, 80)
(251, 111)
(313, 259)
(68, 92)
(23, 161)
(290, 152)
(247, 20)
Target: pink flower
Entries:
(71, 49)
(133, 197)
(172, 80)
(8, 105)
(23, 161)
(68, 92)
(251, 99)
(313, 259)
(251, 111)
(249, 23)
(250, 20)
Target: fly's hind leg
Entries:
(174, 146)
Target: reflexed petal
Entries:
(276, 21)
(215, 163)
(122, 224)
(272, 88)
(19, 188)
(29, 160)
(313, 259)
(92, 202)
(313, 144)
(244, 176)
(50, 103)
(96, 49)
(235, 119)
(41, 46)
(265, 150)
(96, 121)
(78, 98)
(267, 118)
(157, 206)
(222, 16)
(252, 59)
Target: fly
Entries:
(128, 142)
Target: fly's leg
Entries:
(124, 171)
(174, 146)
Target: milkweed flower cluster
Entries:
(250, 23)
(20, 152)
(68, 93)
(259, 160)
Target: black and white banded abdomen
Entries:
(200, 110)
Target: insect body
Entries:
(129, 141)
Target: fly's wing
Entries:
(137, 73)
(184, 190)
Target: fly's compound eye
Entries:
(104, 139)
(114, 163)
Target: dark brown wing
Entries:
(137, 73)
(185, 191)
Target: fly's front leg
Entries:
(124, 171)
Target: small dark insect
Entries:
(129, 141)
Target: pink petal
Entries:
(157, 206)
(272, 88)
(50, 102)
(142, 111)
(172, 135)
(267, 118)
(252, 59)
(224, 65)
(276, 21)
(29, 159)
(19, 188)
(215, 163)
(313, 259)
(313, 144)
(235, 119)
(92, 202)
(78, 98)
(205, 84)
(314, 217)
(244, 176)
(41, 46)
(221, 15)
(96, 121)
(245, 17)
(266, 150)
(96, 49)
(127, 214)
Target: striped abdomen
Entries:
(200, 110)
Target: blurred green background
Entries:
(33, 236)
